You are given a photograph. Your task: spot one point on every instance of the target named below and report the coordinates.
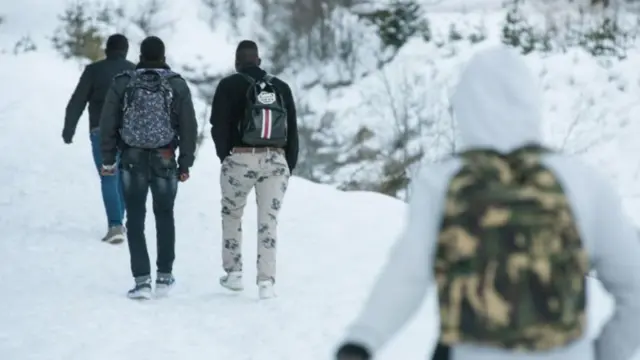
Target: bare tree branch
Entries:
(148, 17)
(80, 34)
(229, 10)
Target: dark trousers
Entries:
(156, 170)
(111, 185)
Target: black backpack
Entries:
(265, 118)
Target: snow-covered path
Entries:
(62, 292)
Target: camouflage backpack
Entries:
(509, 265)
(146, 114)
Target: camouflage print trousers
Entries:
(242, 171)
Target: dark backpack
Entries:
(265, 118)
(510, 265)
(146, 113)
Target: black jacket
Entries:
(183, 119)
(92, 88)
(228, 109)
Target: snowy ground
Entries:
(67, 289)
(63, 291)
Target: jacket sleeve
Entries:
(187, 128)
(402, 285)
(220, 120)
(616, 259)
(110, 121)
(292, 149)
(78, 102)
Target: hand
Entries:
(183, 176)
(352, 352)
(108, 170)
(67, 137)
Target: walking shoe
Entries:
(115, 235)
(164, 283)
(265, 289)
(142, 289)
(232, 281)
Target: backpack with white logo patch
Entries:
(265, 119)
(146, 115)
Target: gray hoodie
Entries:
(498, 104)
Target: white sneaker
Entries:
(265, 289)
(164, 284)
(232, 281)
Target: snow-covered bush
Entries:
(85, 25)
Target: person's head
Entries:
(498, 101)
(117, 43)
(247, 54)
(152, 50)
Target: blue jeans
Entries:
(155, 170)
(112, 194)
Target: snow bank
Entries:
(63, 291)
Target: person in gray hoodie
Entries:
(497, 104)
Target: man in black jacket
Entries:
(254, 128)
(151, 103)
(92, 88)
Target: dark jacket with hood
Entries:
(92, 88)
(183, 118)
(228, 109)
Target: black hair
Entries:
(247, 53)
(117, 42)
(152, 49)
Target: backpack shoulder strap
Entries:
(170, 74)
(251, 80)
(129, 73)
(251, 90)
(267, 78)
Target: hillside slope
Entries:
(352, 130)
(64, 290)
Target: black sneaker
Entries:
(164, 283)
(142, 290)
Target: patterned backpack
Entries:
(146, 114)
(510, 265)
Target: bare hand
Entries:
(108, 170)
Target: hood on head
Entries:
(497, 102)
